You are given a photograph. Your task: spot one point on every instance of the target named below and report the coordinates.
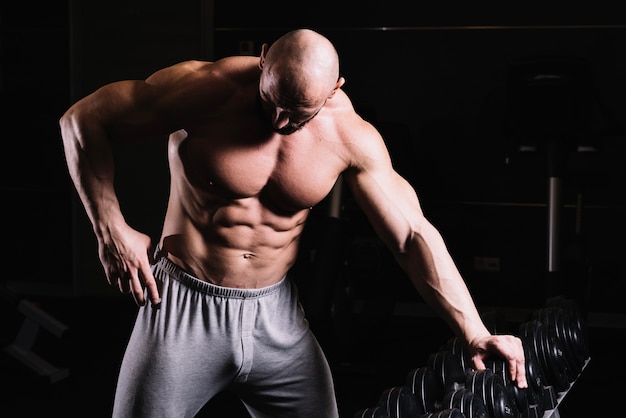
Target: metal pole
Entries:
(554, 219)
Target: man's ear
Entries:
(264, 48)
(338, 85)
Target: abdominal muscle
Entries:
(234, 245)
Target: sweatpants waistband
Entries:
(196, 284)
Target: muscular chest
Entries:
(291, 173)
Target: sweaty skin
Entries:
(254, 143)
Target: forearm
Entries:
(433, 272)
(91, 168)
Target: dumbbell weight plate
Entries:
(544, 395)
(425, 387)
(448, 369)
(554, 321)
(499, 366)
(470, 404)
(515, 395)
(499, 401)
(528, 337)
(521, 401)
(458, 349)
(400, 402)
(548, 355)
(490, 387)
(577, 324)
(534, 391)
(568, 329)
(553, 358)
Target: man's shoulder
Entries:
(360, 140)
(347, 117)
(223, 65)
(195, 78)
(236, 64)
(239, 70)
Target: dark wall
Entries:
(34, 90)
(433, 77)
(399, 13)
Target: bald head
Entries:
(300, 72)
(303, 60)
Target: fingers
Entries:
(479, 364)
(141, 282)
(137, 288)
(510, 349)
(136, 282)
(517, 368)
(149, 281)
(516, 361)
(128, 267)
(151, 286)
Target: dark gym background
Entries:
(438, 79)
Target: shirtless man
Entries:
(254, 144)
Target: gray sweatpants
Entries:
(203, 339)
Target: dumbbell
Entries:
(553, 357)
(545, 392)
(554, 321)
(550, 355)
(426, 388)
(525, 400)
(491, 388)
(448, 369)
(457, 347)
(497, 325)
(528, 401)
(400, 403)
(576, 323)
(568, 330)
(499, 367)
(467, 402)
(535, 389)
(421, 395)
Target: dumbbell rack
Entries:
(556, 350)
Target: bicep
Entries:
(389, 202)
(126, 111)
